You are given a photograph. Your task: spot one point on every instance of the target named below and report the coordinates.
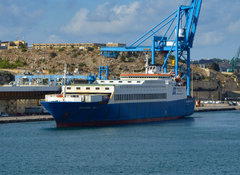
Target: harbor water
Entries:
(207, 143)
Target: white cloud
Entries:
(210, 38)
(104, 20)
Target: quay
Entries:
(216, 108)
(16, 119)
(15, 99)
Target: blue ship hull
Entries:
(69, 114)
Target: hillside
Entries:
(51, 61)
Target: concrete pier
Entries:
(32, 118)
(216, 108)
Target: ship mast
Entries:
(64, 80)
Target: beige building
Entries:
(81, 46)
(110, 44)
(13, 44)
(66, 45)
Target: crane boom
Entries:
(183, 22)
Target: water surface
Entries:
(209, 143)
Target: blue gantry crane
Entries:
(175, 34)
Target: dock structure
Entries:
(216, 108)
(26, 118)
(14, 99)
(27, 92)
(53, 79)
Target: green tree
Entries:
(214, 66)
(90, 49)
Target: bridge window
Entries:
(78, 88)
(68, 88)
(97, 88)
(74, 96)
(87, 88)
(106, 88)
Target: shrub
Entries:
(23, 49)
(20, 63)
(214, 66)
(53, 54)
(74, 50)
(61, 49)
(90, 49)
(131, 59)
(53, 71)
(123, 58)
(81, 64)
(74, 55)
(5, 64)
(94, 60)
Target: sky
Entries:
(123, 21)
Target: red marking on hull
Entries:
(119, 122)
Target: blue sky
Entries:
(43, 21)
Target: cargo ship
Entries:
(134, 98)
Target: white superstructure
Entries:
(131, 88)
